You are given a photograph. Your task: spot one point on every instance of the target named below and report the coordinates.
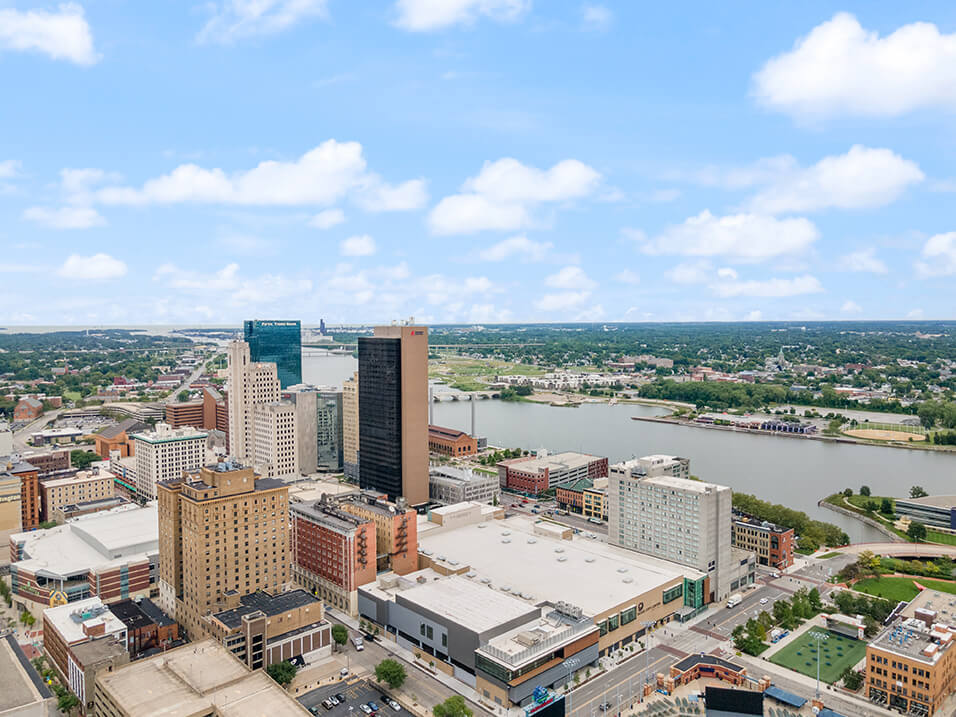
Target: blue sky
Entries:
(476, 161)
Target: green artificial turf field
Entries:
(838, 653)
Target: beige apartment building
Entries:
(276, 428)
(222, 534)
(250, 384)
(350, 426)
(81, 488)
(165, 453)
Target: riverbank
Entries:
(843, 438)
(876, 525)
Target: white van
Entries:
(359, 643)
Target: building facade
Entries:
(535, 474)
(772, 544)
(350, 427)
(250, 384)
(278, 342)
(676, 519)
(221, 532)
(451, 442)
(334, 552)
(449, 485)
(165, 453)
(276, 439)
(393, 412)
(938, 511)
(396, 531)
(319, 414)
(117, 438)
(83, 487)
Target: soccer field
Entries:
(838, 653)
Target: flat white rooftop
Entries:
(69, 619)
(555, 461)
(587, 573)
(684, 484)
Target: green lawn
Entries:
(838, 653)
(897, 589)
(827, 556)
(72, 395)
(934, 536)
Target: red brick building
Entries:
(117, 438)
(147, 627)
(333, 552)
(536, 474)
(211, 413)
(773, 544)
(27, 409)
(451, 442)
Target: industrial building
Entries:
(451, 442)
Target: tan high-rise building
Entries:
(393, 412)
(221, 534)
(250, 384)
(350, 426)
(276, 439)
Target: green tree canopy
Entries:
(282, 672)
(390, 672)
(454, 706)
(340, 634)
(916, 531)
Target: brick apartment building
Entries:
(396, 531)
(772, 544)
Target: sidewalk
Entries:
(455, 685)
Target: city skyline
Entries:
(476, 162)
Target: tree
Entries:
(917, 491)
(868, 563)
(282, 672)
(340, 634)
(81, 460)
(66, 702)
(847, 492)
(852, 679)
(886, 506)
(865, 490)
(454, 706)
(916, 531)
(390, 672)
(182, 396)
(815, 602)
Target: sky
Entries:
(476, 161)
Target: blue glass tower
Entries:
(278, 342)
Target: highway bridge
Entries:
(902, 550)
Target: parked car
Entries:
(372, 706)
(764, 601)
(334, 700)
(344, 672)
(327, 703)
(340, 697)
(605, 706)
(366, 709)
(394, 705)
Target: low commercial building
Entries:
(85, 486)
(451, 442)
(938, 511)
(70, 511)
(50, 464)
(772, 544)
(459, 514)
(535, 474)
(262, 629)
(202, 678)
(111, 555)
(147, 627)
(117, 438)
(624, 593)
(333, 552)
(499, 643)
(911, 664)
(449, 485)
(69, 628)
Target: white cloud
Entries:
(861, 178)
(850, 307)
(842, 69)
(381, 197)
(562, 301)
(864, 260)
(768, 288)
(570, 277)
(690, 273)
(426, 15)
(596, 17)
(754, 315)
(9, 168)
(519, 246)
(323, 175)
(64, 217)
(97, 266)
(628, 277)
(228, 287)
(938, 256)
(360, 245)
(726, 272)
(327, 219)
(233, 20)
(62, 34)
(745, 237)
(488, 313)
(501, 195)
(915, 314)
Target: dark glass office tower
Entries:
(393, 412)
(278, 342)
(380, 415)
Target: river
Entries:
(793, 471)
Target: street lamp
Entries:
(647, 648)
(820, 637)
(569, 664)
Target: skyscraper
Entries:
(222, 534)
(250, 384)
(350, 427)
(278, 342)
(393, 412)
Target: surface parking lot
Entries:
(356, 694)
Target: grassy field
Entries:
(827, 556)
(897, 589)
(934, 536)
(860, 501)
(72, 395)
(838, 653)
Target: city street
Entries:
(622, 686)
